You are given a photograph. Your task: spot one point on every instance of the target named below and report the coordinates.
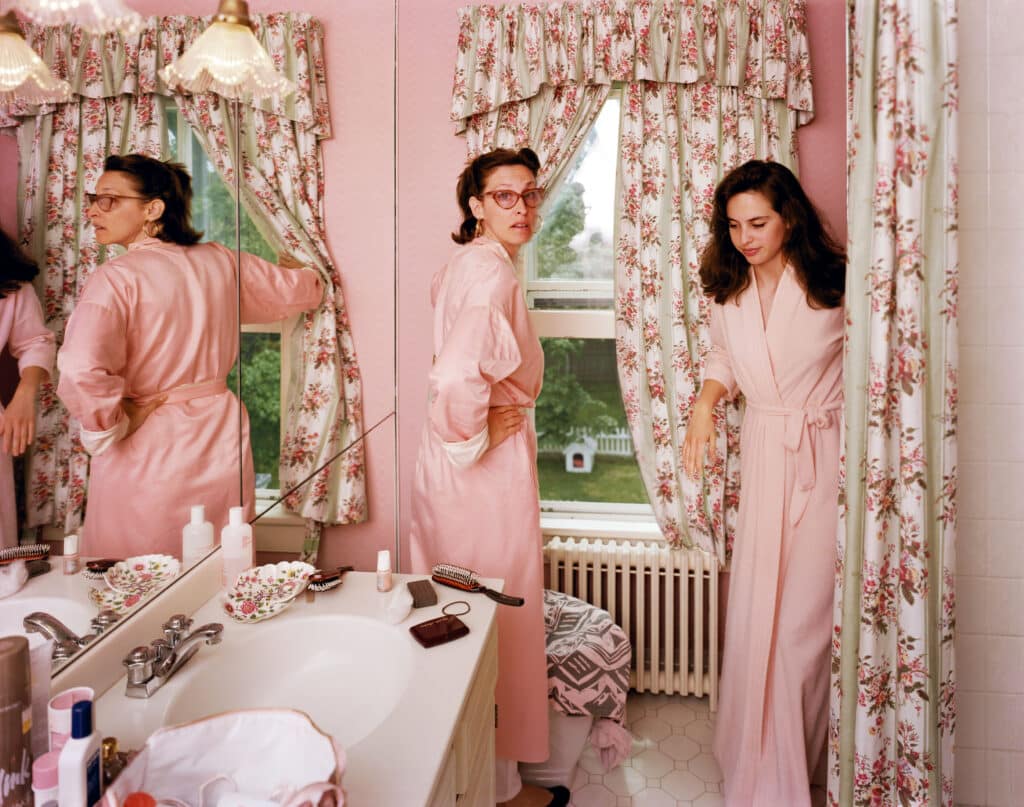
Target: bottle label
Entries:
(93, 788)
(15, 784)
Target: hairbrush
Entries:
(26, 552)
(97, 569)
(448, 574)
(326, 579)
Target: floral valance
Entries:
(505, 53)
(102, 66)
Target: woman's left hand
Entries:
(18, 423)
(137, 415)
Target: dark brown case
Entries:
(440, 630)
(422, 593)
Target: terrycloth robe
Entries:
(157, 320)
(485, 515)
(23, 332)
(773, 713)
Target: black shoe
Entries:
(559, 796)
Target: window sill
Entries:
(588, 520)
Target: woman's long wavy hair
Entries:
(815, 255)
(15, 266)
(169, 181)
(473, 179)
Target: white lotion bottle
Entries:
(235, 546)
(196, 537)
(80, 767)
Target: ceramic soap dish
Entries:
(132, 580)
(265, 591)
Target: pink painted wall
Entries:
(361, 201)
(430, 158)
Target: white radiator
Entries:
(666, 600)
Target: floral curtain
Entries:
(893, 706)
(116, 107)
(709, 83)
(677, 142)
(61, 153)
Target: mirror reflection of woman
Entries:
(474, 499)
(146, 355)
(26, 337)
(777, 279)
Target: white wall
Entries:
(990, 554)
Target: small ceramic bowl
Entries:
(264, 591)
(119, 601)
(142, 573)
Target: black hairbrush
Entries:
(448, 574)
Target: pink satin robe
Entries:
(486, 516)
(773, 714)
(161, 319)
(23, 332)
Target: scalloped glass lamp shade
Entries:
(95, 16)
(228, 59)
(23, 75)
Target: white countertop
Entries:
(397, 763)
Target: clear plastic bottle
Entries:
(196, 537)
(236, 546)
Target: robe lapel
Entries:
(757, 336)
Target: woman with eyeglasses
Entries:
(28, 340)
(474, 499)
(146, 356)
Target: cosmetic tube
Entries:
(384, 570)
(70, 556)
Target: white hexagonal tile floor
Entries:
(670, 765)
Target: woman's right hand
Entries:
(700, 438)
(502, 423)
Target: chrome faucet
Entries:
(149, 668)
(65, 641)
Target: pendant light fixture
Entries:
(95, 16)
(23, 75)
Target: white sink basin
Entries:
(346, 672)
(75, 615)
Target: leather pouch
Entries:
(439, 630)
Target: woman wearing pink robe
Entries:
(475, 500)
(26, 337)
(777, 279)
(145, 359)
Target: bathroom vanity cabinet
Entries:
(416, 724)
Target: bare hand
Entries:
(700, 438)
(137, 415)
(288, 262)
(18, 423)
(502, 423)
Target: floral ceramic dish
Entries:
(264, 591)
(142, 573)
(119, 601)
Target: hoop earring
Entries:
(538, 223)
(479, 231)
(152, 228)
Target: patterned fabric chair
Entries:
(588, 679)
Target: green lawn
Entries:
(614, 479)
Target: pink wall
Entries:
(361, 201)
(430, 158)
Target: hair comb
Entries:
(448, 574)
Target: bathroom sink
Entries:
(346, 672)
(75, 615)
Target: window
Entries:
(263, 363)
(585, 458)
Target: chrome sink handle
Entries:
(103, 620)
(140, 666)
(188, 647)
(176, 628)
(149, 668)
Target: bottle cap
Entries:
(198, 514)
(384, 560)
(44, 771)
(70, 544)
(139, 799)
(81, 720)
(235, 516)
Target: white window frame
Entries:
(566, 517)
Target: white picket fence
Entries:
(615, 444)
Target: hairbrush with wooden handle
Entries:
(448, 574)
